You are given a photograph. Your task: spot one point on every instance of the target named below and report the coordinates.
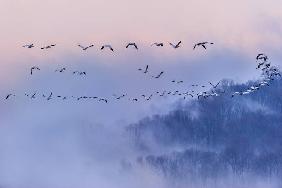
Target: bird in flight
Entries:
(146, 69)
(159, 75)
(147, 98)
(107, 46)
(175, 46)
(214, 86)
(176, 92)
(49, 46)
(203, 44)
(162, 94)
(262, 56)
(132, 44)
(134, 99)
(119, 97)
(60, 70)
(187, 93)
(237, 93)
(33, 96)
(202, 94)
(85, 48)
(178, 82)
(83, 97)
(33, 68)
(28, 46)
(102, 99)
(150, 97)
(9, 95)
(50, 96)
(260, 64)
(79, 73)
(158, 44)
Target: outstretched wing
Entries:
(178, 44)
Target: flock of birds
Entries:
(269, 72)
(128, 45)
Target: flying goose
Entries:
(107, 46)
(158, 44)
(175, 46)
(159, 75)
(33, 68)
(163, 93)
(102, 99)
(83, 97)
(146, 69)
(150, 97)
(50, 96)
(9, 95)
(214, 86)
(33, 96)
(119, 97)
(202, 94)
(132, 44)
(28, 46)
(178, 82)
(60, 70)
(203, 44)
(262, 56)
(47, 47)
(85, 48)
(260, 64)
(237, 93)
(79, 73)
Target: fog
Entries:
(84, 144)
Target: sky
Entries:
(240, 30)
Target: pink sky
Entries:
(250, 26)
(243, 23)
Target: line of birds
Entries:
(128, 45)
(60, 70)
(269, 72)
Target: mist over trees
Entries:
(213, 137)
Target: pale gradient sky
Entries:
(240, 30)
(88, 136)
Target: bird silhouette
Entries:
(146, 69)
(48, 47)
(203, 44)
(158, 44)
(79, 73)
(33, 68)
(86, 47)
(104, 100)
(214, 86)
(60, 70)
(50, 96)
(28, 46)
(159, 75)
(178, 82)
(132, 44)
(9, 95)
(119, 97)
(150, 97)
(262, 56)
(107, 46)
(33, 96)
(175, 46)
